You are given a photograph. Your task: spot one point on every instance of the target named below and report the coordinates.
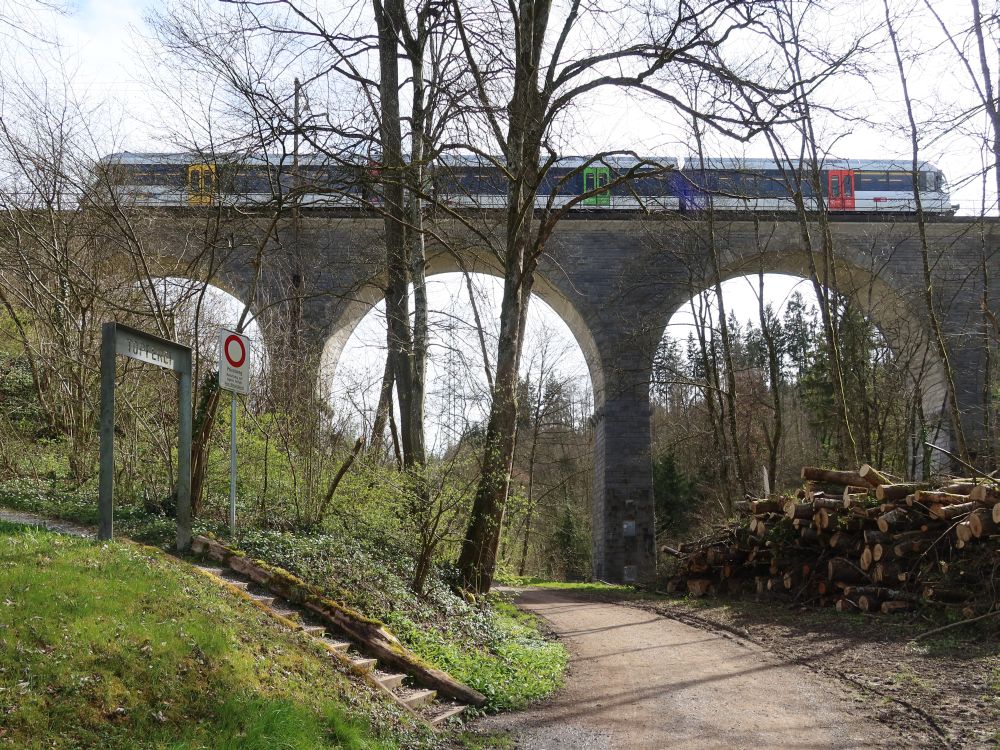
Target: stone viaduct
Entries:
(616, 281)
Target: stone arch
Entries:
(893, 306)
(350, 313)
(222, 284)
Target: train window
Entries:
(848, 187)
(898, 181)
(835, 186)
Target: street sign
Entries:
(145, 347)
(234, 362)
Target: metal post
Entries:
(105, 497)
(184, 457)
(232, 467)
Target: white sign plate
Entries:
(146, 349)
(234, 362)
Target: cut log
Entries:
(946, 595)
(871, 476)
(996, 513)
(854, 499)
(872, 536)
(798, 510)
(981, 523)
(833, 476)
(916, 547)
(841, 569)
(959, 488)
(869, 603)
(700, 586)
(844, 542)
(824, 519)
(987, 495)
(882, 551)
(866, 559)
(809, 534)
(890, 492)
(934, 497)
(951, 512)
(963, 531)
(892, 607)
(894, 519)
(886, 572)
(830, 503)
(766, 506)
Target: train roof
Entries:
(458, 160)
(189, 157)
(310, 159)
(749, 164)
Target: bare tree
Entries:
(524, 82)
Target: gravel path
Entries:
(638, 680)
(32, 519)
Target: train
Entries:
(611, 183)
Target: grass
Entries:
(512, 666)
(584, 586)
(120, 646)
(489, 644)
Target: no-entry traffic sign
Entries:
(234, 362)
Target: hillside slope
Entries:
(121, 646)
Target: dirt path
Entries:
(638, 680)
(33, 519)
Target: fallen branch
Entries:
(991, 613)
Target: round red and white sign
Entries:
(235, 351)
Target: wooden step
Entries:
(243, 585)
(418, 698)
(364, 664)
(314, 630)
(391, 681)
(449, 711)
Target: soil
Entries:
(639, 679)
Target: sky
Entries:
(104, 50)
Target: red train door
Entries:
(840, 190)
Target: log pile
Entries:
(857, 540)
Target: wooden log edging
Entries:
(369, 633)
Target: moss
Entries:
(301, 591)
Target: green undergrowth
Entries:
(479, 643)
(584, 586)
(487, 643)
(119, 646)
(79, 505)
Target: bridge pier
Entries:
(624, 536)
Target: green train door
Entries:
(594, 178)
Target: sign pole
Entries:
(184, 438)
(232, 467)
(234, 376)
(106, 490)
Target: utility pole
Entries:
(296, 224)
